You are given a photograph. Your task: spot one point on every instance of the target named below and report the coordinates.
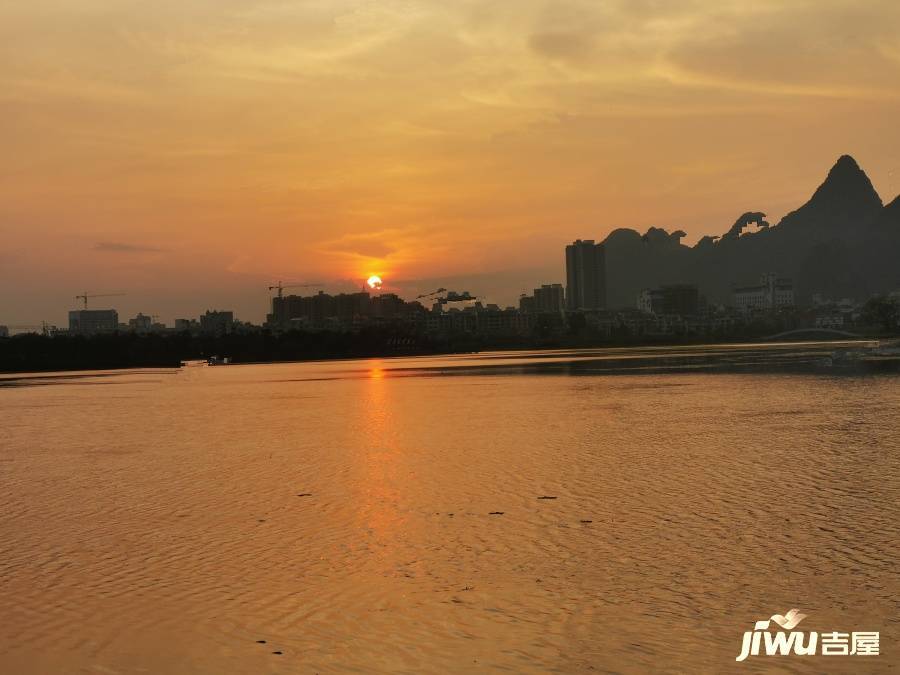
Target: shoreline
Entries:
(641, 358)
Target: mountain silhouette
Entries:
(890, 216)
(842, 243)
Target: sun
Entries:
(374, 282)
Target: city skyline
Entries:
(845, 207)
(194, 153)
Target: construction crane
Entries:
(280, 287)
(442, 296)
(84, 296)
(453, 296)
(428, 295)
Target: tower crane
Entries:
(453, 296)
(425, 296)
(280, 287)
(84, 296)
(442, 296)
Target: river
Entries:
(517, 512)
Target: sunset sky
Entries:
(188, 153)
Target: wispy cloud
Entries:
(119, 247)
(367, 245)
(323, 139)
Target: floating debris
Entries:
(277, 652)
(260, 642)
(546, 497)
(585, 521)
(305, 494)
(496, 513)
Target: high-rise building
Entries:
(388, 306)
(549, 299)
(585, 275)
(216, 322)
(89, 321)
(344, 309)
(314, 309)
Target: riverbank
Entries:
(35, 353)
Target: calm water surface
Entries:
(386, 516)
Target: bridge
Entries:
(815, 334)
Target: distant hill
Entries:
(842, 243)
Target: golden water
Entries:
(151, 521)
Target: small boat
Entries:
(218, 361)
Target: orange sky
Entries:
(190, 152)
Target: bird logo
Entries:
(790, 619)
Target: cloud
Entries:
(417, 138)
(840, 50)
(119, 247)
(368, 245)
(561, 44)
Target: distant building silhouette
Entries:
(343, 310)
(4, 332)
(182, 325)
(769, 294)
(314, 309)
(90, 321)
(477, 319)
(548, 299)
(141, 323)
(216, 322)
(388, 306)
(650, 300)
(585, 275)
(680, 299)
